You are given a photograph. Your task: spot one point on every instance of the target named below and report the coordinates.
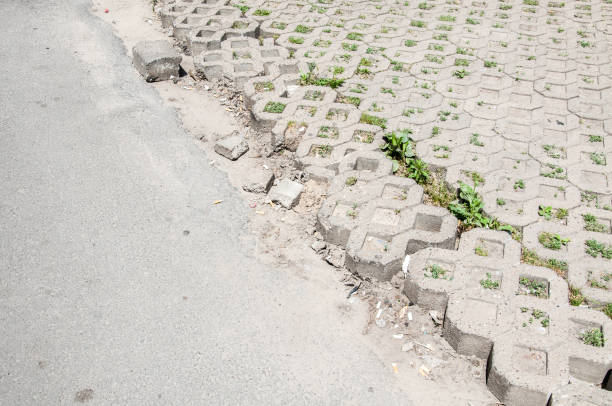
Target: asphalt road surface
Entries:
(120, 284)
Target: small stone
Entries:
(408, 346)
(318, 246)
(335, 258)
(286, 193)
(232, 147)
(156, 60)
(258, 182)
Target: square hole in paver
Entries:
(394, 192)
(439, 269)
(337, 114)
(204, 33)
(308, 110)
(270, 53)
(530, 360)
(189, 20)
(532, 319)
(366, 137)
(386, 217)
(240, 44)
(599, 278)
(427, 222)
(225, 12)
(315, 95)
(489, 248)
(366, 164)
(214, 22)
(375, 243)
(242, 67)
(213, 57)
(581, 330)
(344, 210)
(487, 278)
(322, 151)
(533, 286)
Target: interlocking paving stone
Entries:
(514, 93)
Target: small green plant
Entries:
(474, 140)
(607, 309)
(575, 296)
(261, 12)
(595, 138)
(519, 184)
(552, 241)
(296, 40)
(531, 257)
(468, 208)
(595, 248)
(500, 201)
(274, 107)
(481, 251)
(302, 29)
(311, 78)
(418, 23)
(436, 272)
(264, 87)
(373, 120)
(351, 181)
(591, 224)
(593, 337)
(489, 283)
(354, 36)
(323, 150)
(598, 158)
(534, 287)
(546, 212)
(461, 73)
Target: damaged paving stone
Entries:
(156, 60)
(232, 147)
(258, 181)
(286, 193)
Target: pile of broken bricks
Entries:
(512, 93)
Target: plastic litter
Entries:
(423, 370)
(353, 291)
(405, 266)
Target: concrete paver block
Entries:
(258, 181)
(232, 147)
(286, 193)
(156, 60)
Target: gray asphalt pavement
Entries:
(120, 284)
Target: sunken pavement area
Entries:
(510, 96)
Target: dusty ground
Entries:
(424, 363)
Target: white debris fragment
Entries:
(405, 265)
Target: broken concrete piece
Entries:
(232, 147)
(286, 193)
(335, 258)
(156, 60)
(318, 246)
(258, 182)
